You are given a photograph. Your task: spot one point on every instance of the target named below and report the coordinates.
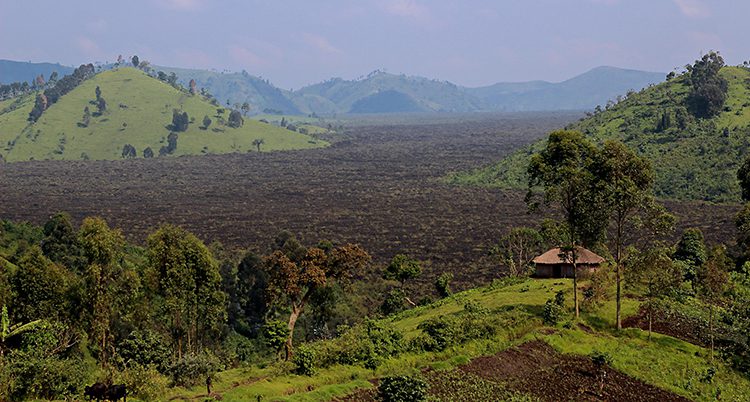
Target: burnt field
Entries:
(377, 185)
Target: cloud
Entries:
(88, 47)
(182, 5)
(693, 8)
(320, 43)
(407, 9)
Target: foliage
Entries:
(708, 89)
(144, 348)
(235, 119)
(553, 309)
(275, 334)
(193, 369)
(691, 249)
(305, 361)
(443, 284)
(402, 268)
(402, 389)
(395, 302)
(180, 120)
(743, 175)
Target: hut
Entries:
(557, 263)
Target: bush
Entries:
(402, 389)
(443, 284)
(445, 331)
(145, 348)
(193, 369)
(145, 383)
(394, 302)
(369, 344)
(25, 376)
(552, 312)
(304, 359)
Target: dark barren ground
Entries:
(378, 186)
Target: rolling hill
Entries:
(583, 92)
(19, 71)
(694, 159)
(237, 88)
(139, 113)
(340, 96)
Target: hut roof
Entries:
(583, 256)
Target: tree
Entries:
(245, 108)
(293, 282)
(148, 153)
(258, 142)
(712, 281)
(39, 286)
(101, 105)
(443, 284)
(708, 89)
(235, 119)
(402, 269)
(627, 184)
(60, 242)
(563, 169)
(691, 249)
(103, 249)
(654, 272)
(136, 62)
(516, 249)
(128, 152)
(193, 87)
(743, 175)
(180, 120)
(86, 118)
(188, 280)
(98, 93)
(206, 122)
(8, 331)
(40, 105)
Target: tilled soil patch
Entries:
(536, 368)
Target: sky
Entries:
(298, 42)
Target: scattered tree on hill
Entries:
(626, 182)
(180, 120)
(283, 122)
(148, 153)
(563, 169)
(188, 280)
(691, 249)
(293, 279)
(128, 152)
(40, 105)
(86, 118)
(401, 269)
(258, 142)
(39, 81)
(120, 60)
(443, 284)
(206, 122)
(708, 89)
(52, 78)
(98, 92)
(193, 87)
(516, 249)
(713, 280)
(136, 61)
(101, 105)
(171, 145)
(245, 108)
(235, 119)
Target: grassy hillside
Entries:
(693, 158)
(139, 109)
(665, 362)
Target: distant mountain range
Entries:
(381, 92)
(18, 71)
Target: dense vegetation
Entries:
(695, 128)
(94, 116)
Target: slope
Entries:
(694, 159)
(19, 71)
(237, 88)
(513, 309)
(139, 112)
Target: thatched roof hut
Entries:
(557, 263)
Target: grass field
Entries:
(663, 361)
(139, 109)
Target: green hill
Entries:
(139, 112)
(693, 158)
(387, 102)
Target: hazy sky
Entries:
(292, 43)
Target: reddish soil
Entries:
(379, 186)
(536, 368)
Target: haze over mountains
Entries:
(382, 92)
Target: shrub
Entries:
(443, 284)
(551, 313)
(26, 376)
(145, 383)
(193, 369)
(304, 359)
(145, 348)
(394, 302)
(402, 389)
